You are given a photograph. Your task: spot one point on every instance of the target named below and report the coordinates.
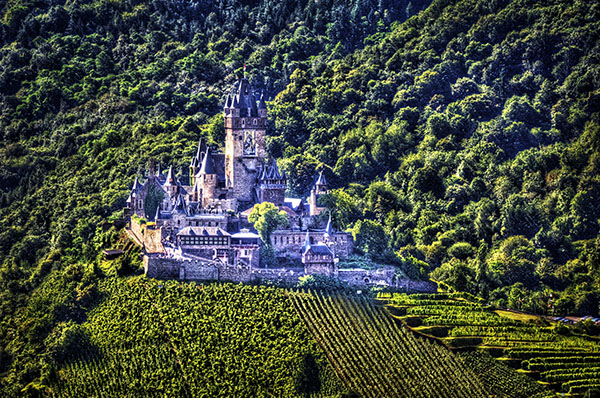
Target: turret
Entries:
(170, 182)
(206, 179)
(313, 202)
(321, 184)
(271, 185)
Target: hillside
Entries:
(469, 137)
(464, 143)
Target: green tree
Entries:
(266, 218)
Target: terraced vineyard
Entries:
(150, 338)
(561, 360)
(378, 358)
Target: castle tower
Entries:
(245, 128)
(271, 185)
(320, 188)
(206, 179)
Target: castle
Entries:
(196, 226)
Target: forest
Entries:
(461, 139)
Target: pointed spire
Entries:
(306, 244)
(136, 185)
(328, 228)
(276, 172)
(170, 178)
(321, 180)
(207, 164)
(200, 150)
(261, 103)
(227, 102)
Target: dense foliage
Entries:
(563, 357)
(470, 138)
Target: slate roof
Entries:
(329, 228)
(293, 203)
(180, 204)
(170, 179)
(245, 235)
(208, 166)
(319, 248)
(243, 99)
(321, 180)
(203, 231)
(261, 103)
(271, 172)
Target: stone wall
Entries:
(320, 269)
(272, 193)
(160, 267)
(287, 275)
(234, 273)
(290, 242)
(362, 277)
(194, 270)
(198, 271)
(409, 285)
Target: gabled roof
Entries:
(245, 235)
(271, 172)
(243, 99)
(203, 231)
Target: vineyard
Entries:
(554, 355)
(150, 338)
(164, 338)
(378, 358)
